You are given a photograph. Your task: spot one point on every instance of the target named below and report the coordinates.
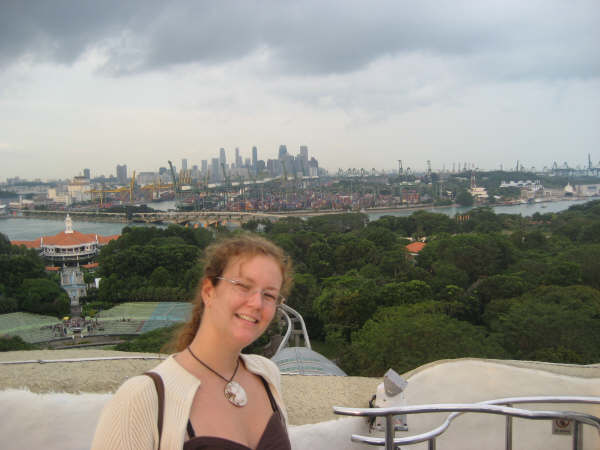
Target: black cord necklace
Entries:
(234, 392)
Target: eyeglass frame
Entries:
(238, 283)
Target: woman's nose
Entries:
(256, 298)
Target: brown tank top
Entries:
(274, 436)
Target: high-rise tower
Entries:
(254, 157)
(122, 173)
(282, 151)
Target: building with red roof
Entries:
(68, 247)
(414, 248)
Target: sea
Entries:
(19, 228)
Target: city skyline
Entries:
(88, 84)
(123, 172)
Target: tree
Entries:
(483, 220)
(394, 262)
(428, 223)
(8, 304)
(588, 259)
(464, 198)
(320, 259)
(476, 254)
(404, 226)
(353, 253)
(445, 274)
(380, 236)
(562, 273)
(14, 343)
(14, 268)
(345, 303)
(165, 256)
(160, 277)
(405, 337)
(591, 233)
(5, 247)
(42, 296)
(304, 292)
(337, 223)
(154, 341)
(493, 288)
(288, 225)
(559, 324)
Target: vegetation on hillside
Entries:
(154, 341)
(495, 285)
(499, 286)
(151, 264)
(25, 286)
(14, 343)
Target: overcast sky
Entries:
(89, 83)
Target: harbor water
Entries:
(18, 228)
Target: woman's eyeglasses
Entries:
(246, 290)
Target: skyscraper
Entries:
(184, 164)
(122, 173)
(238, 158)
(86, 173)
(304, 153)
(222, 156)
(215, 169)
(282, 151)
(254, 157)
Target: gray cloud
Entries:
(549, 39)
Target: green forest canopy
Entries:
(497, 285)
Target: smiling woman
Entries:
(213, 396)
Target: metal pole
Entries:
(431, 444)
(577, 435)
(389, 432)
(508, 430)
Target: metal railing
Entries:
(501, 406)
(287, 311)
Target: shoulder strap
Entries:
(270, 394)
(160, 390)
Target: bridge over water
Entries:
(206, 218)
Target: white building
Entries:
(79, 190)
(587, 190)
(58, 196)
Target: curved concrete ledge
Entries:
(572, 370)
(50, 394)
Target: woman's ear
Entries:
(207, 291)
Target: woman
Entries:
(215, 397)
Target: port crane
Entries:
(101, 193)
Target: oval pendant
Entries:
(236, 394)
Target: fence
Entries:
(501, 406)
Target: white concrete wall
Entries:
(466, 381)
(67, 421)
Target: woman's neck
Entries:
(215, 353)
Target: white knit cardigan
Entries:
(129, 420)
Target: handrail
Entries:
(299, 317)
(488, 407)
(285, 309)
(283, 342)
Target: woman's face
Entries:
(241, 314)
